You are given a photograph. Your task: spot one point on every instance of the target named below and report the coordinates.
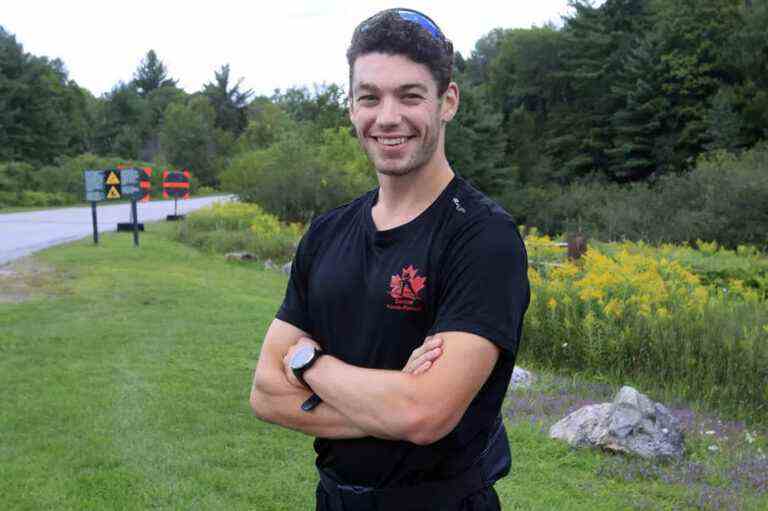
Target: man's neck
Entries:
(403, 198)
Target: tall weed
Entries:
(637, 313)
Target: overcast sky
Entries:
(272, 45)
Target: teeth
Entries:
(391, 141)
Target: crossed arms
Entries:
(421, 403)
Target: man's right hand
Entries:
(422, 357)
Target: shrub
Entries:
(228, 227)
(724, 199)
(297, 179)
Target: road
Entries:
(24, 233)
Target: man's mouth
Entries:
(392, 141)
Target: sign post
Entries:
(95, 225)
(135, 223)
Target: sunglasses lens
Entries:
(420, 19)
(413, 17)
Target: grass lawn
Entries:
(124, 385)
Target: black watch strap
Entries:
(311, 403)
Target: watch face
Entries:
(302, 357)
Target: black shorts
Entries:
(483, 500)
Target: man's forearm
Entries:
(378, 401)
(280, 403)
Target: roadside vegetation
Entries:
(126, 380)
(631, 119)
(240, 227)
(685, 322)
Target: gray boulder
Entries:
(632, 423)
(240, 256)
(521, 379)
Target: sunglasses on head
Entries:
(414, 17)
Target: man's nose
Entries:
(389, 113)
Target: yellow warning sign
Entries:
(113, 180)
(113, 193)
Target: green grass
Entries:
(125, 385)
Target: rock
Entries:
(632, 423)
(287, 267)
(269, 265)
(521, 379)
(240, 256)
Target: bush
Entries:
(236, 226)
(724, 199)
(61, 183)
(297, 179)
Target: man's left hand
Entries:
(304, 341)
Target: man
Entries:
(398, 334)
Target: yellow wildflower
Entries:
(613, 308)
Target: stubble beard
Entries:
(417, 161)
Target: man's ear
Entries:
(450, 102)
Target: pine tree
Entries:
(595, 42)
(639, 127)
(229, 104)
(151, 75)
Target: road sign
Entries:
(145, 183)
(112, 184)
(94, 186)
(176, 184)
(129, 183)
(112, 177)
(121, 183)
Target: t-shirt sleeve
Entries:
(485, 289)
(294, 309)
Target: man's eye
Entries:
(412, 97)
(367, 99)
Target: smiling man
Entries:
(400, 326)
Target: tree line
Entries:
(618, 101)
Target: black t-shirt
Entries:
(370, 297)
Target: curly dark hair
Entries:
(389, 32)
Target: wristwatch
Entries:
(303, 360)
(300, 362)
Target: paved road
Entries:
(24, 233)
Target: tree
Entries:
(229, 104)
(475, 142)
(476, 67)
(692, 35)
(267, 123)
(123, 119)
(595, 42)
(188, 138)
(151, 75)
(641, 145)
(325, 107)
(43, 114)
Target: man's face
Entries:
(396, 112)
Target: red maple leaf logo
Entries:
(407, 285)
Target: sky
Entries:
(269, 44)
